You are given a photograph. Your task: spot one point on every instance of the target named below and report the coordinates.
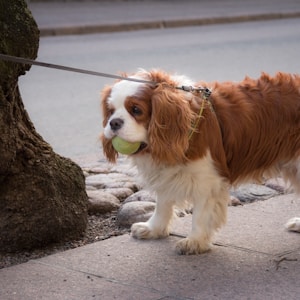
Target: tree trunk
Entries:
(42, 195)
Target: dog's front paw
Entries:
(142, 230)
(293, 224)
(190, 246)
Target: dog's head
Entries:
(159, 116)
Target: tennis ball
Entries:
(125, 147)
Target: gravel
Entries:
(100, 227)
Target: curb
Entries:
(160, 24)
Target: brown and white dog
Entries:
(194, 145)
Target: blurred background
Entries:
(205, 40)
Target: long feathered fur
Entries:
(195, 148)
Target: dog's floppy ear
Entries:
(108, 149)
(169, 126)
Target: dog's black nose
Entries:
(116, 124)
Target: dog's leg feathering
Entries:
(208, 216)
(158, 225)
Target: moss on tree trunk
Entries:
(42, 195)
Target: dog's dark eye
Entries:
(110, 111)
(136, 111)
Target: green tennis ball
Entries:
(125, 147)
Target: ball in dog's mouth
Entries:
(125, 147)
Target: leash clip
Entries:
(204, 91)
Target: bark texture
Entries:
(42, 195)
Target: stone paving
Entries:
(115, 187)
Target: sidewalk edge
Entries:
(160, 24)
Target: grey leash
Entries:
(204, 91)
(28, 61)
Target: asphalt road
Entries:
(65, 107)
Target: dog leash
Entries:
(28, 61)
(205, 92)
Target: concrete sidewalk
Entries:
(61, 18)
(254, 257)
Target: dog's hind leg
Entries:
(291, 173)
(293, 225)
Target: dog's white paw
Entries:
(293, 224)
(189, 246)
(142, 230)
